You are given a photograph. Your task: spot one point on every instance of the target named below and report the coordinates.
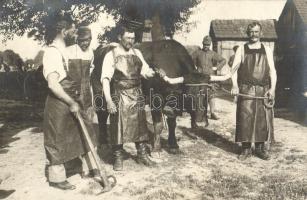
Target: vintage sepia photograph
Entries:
(153, 99)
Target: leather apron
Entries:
(63, 138)
(254, 119)
(128, 124)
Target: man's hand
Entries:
(111, 107)
(150, 73)
(74, 107)
(160, 73)
(271, 94)
(215, 86)
(234, 90)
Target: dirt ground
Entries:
(208, 167)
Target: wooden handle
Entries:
(103, 175)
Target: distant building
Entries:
(226, 34)
(292, 53)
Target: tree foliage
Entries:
(10, 58)
(19, 17)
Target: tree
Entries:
(19, 17)
(10, 58)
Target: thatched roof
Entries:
(236, 29)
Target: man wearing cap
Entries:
(80, 59)
(208, 62)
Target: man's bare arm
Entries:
(220, 78)
(273, 76)
(107, 93)
(59, 92)
(235, 66)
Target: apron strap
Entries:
(63, 59)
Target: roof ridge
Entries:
(236, 28)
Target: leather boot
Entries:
(246, 151)
(194, 125)
(261, 152)
(65, 185)
(193, 121)
(142, 156)
(206, 120)
(118, 158)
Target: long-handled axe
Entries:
(107, 185)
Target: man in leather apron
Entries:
(123, 67)
(254, 75)
(80, 58)
(62, 134)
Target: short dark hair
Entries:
(84, 31)
(252, 25)
(54, 23)
(121, 30)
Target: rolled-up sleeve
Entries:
(145, 67)
(107, 67)
(53, 62)
(237, 59)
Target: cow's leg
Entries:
(172, 141)
(158, 127)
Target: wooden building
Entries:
(226, 34)
(291, 51)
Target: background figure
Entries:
(209, 62)
(255, 75)
(124, 66)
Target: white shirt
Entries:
(75, 52)
(239, 57)
(53, 60)
(108, 62)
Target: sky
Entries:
(202, 15)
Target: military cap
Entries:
(207, 40)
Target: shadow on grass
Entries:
(290, 115)
(6, 193)
(15, 116)
(211, 138)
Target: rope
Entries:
(244, 95)
(199, 84)
(269, 103)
